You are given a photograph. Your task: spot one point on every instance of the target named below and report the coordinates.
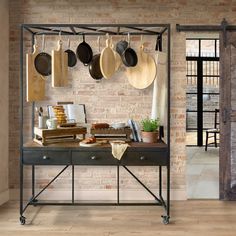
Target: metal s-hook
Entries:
(43, 42)
(98, 42)
(141, 39)
(60, 35)
(128, 39)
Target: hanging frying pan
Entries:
(94, 65)
(121, 46)
(129, 56)
(143, 74)
(84, 52)
(72, 60)
(42, 61)
(108, 60)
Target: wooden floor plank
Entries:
(188, 218)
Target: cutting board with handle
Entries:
(142, 75)
(108, 60)
(35, 83)
(59, 67)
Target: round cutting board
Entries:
(144, 73)
(107, 61)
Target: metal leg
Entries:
(167, 216)
(206, 141)
(160, 181)
(22, 218)
(118, 184)
(33, 184)
(73, 183)
(33, 180)
(215, 139)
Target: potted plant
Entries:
(150, 132)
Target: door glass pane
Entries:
(191, 102)
(191, 127)
(218, 48)
(191, 76)
(192, 48)
(208, 120)
(210, 102)
(207, 48)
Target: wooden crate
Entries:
(45, 136)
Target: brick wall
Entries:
(113, 99)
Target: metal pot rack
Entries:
(94, 30)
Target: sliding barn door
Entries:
(228, 117)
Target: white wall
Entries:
(4, 78)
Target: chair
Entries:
(213, 132)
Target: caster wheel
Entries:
(22, 220)
(165, 220)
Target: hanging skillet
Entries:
(94, 65)
(42, 61)
(72, 60)
(129, 56)
(84, 52)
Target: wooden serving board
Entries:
(59, 67)
(35, 83)
(142, 75)
(107, 61)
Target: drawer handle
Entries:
(142, 158)
(46, 158)
(93, 158)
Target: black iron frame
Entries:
(91, 29)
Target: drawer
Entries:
(46, 157)
(145, 158)
(93, 158)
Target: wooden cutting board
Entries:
(59, 67)
(107, 61)
(35, 83)
(142, 75)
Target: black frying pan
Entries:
(129, 57)
(94, 67)
(42, 62)
(121, 46)
(72, 60)
(84, 52)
